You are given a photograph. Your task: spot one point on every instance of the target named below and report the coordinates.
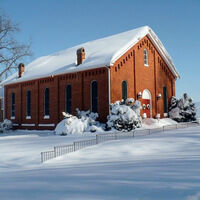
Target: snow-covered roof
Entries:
(99, 53)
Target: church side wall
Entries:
(81, 98)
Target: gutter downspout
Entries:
(109, 98)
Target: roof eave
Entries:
(20, 80)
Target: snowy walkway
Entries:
(161, 166)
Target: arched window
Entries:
(165, 99)
(46, 102)
(94, 96)
(146, 62)
(28, 103)
(68, 99)
(12, 104)
(124, 90)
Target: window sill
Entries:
(146, 65)
(46, 117)
(13, 117)
(28, 117)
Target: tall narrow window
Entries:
(46, 102)
(28, 103)
(12, 104)
(124, 90)
(146, 62)
(165, 99)
(94, 96)
(2, 104)
(68, 99)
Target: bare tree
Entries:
(11, 51)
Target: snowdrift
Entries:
(85, 121)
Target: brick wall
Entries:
(81, 97)
(154, 77)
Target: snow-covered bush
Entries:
(5, 125)
(85, 121)
(124, 116)
(182, 110)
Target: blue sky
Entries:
(54, 25)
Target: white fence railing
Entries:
(77, 145)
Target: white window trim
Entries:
(47, 117)
(12, 117)
(146, 65)
(46, 124)
(28, 117)
(15, 124)
(27, 124)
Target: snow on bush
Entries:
(85, 121)
(182, 110)
(124, 116)
(5, 125)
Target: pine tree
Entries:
(182, 110)
(173, 103)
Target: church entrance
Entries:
(146, 103)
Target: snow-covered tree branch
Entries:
(11, 51)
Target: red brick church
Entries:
(132, 64)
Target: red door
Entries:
(145, 103)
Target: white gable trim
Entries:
(158, 45)
(163, 52)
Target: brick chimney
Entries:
(80, 55)
(21, 69)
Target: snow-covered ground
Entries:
(150, 123)
(159, 166)
(21, 149)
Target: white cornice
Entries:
(163, 52)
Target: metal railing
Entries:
(77, 145)
(47, 155)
